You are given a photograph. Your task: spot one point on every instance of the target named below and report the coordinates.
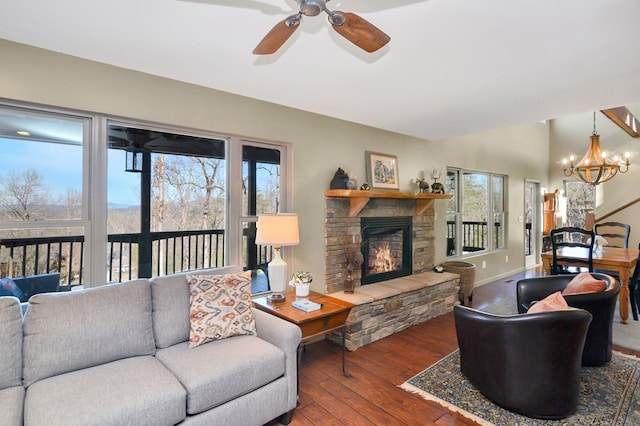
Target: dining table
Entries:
(620, 260)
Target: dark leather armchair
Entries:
(529, 363)
(598, 346)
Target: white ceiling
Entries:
(452, 66)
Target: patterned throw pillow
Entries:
(220, 307)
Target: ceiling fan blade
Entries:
(361, 32)
(277, 36)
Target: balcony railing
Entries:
(171, 252)
(474, 236)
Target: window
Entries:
(476, 213)
(43, 201)
(581, 199)
(170, 215)
(68, 202)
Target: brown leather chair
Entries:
(601, 305)
(528, 363)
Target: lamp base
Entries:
(276, 297)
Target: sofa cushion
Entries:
(220, 307)
(11, 404)
(553, 302)
(584, 282)
(10, 342)
(79, 329)
(133, 391)
(223, 369)
(171, 305)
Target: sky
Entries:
(58, 164)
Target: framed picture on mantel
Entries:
(382, 171)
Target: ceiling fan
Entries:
(349, 25)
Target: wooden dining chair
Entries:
(568, 237)
(616, 233)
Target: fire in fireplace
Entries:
(386, 248)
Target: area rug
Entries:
(608, 394)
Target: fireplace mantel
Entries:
(358, 199)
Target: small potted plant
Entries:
(301, 280)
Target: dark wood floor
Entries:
(371, 396)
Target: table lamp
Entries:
(277, 230)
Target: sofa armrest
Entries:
(286, 336)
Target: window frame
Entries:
(494, 242)
(94, 174)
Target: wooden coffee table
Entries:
(331, 316)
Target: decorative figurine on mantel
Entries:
(436, 187)
(423, 185)
(340, 180)
(352, 181)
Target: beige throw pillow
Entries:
(220, 307)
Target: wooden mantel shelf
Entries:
(358, 199)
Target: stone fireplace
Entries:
(343, 228)
(393, 300)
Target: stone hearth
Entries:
(388, 307)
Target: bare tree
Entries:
(73, 204)
(157, 193)
(210, 182)
(23, 196)
(268, 196)
(179, 176)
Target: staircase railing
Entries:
(619, 209)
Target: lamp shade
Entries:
(278, 229)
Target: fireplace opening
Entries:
(386, 248)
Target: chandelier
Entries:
(595, 167)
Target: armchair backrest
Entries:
(601, 305)
(533, 289)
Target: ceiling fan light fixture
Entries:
(293, 20)
(312, 7)
(336, 18)
(349, 25)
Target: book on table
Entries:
(306, 305)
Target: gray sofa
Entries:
(119, 354)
